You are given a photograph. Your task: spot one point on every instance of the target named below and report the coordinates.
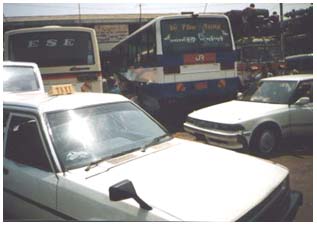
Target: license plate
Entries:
(201, 85)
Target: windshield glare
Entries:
(86, 135)
(275, 92)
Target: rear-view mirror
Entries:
(302, 101)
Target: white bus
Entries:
(184, 57)
(64, 55)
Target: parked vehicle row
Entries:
(100, 157)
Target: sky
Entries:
(44, 9)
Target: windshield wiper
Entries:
(90, 165)
(95, 163)
(154, 141)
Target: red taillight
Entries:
(180, 87)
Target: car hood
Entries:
(235, 111)
(193, 181)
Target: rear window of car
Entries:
(19, 79)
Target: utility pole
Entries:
(140, 6)
(5, 18)
(206, 5)
(281, 31)
(79, 14)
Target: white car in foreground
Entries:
(99, 157)
(279, 107)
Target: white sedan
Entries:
(99, 157)
(279, 107)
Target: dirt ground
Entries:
(298, 158)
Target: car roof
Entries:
(295, 57)
(21, 64)
(297, 77)
(44, 103)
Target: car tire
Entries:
(265, 142)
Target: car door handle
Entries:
(5, 171)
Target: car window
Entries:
(19, 79)
(5, 118)
(5, 121)
(304, 89)
(275, 92)
(24, 144)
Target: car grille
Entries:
(273, 207)
(213, 125)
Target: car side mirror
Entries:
(125, 190)
(302, 101)
(239, 96)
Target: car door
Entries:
(301, 116)
(29, 183)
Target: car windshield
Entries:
(19, 79)
(275, 92)
(85, 135)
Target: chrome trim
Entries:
(216, 132)
(228, 140)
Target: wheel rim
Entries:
(267, 142)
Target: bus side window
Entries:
(147, 47)
(152, 46)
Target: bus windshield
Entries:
(51, 49)
(190, 35)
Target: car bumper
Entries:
(296, 200)
(281, 209)
(229, 140)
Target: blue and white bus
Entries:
(184, 57)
